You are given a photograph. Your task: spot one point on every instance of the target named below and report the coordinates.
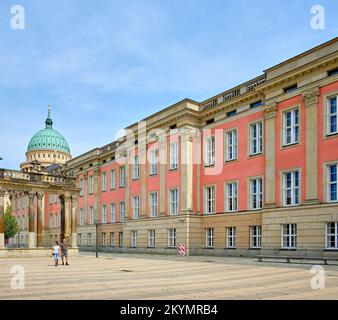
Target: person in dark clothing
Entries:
(64, 251)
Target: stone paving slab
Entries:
(114, 276)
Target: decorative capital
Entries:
(311, 96)
(31, 195)
(270, 111)
(40, 196)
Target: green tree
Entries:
(11, 224)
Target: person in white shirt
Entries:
(56, 253)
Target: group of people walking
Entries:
(60, 251)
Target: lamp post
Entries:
(97, 221)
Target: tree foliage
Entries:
(11, 224)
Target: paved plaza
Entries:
(163, 277)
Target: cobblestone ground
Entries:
(162, 277)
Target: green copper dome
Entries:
(48, 139)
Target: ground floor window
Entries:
(104, 239)
(289, 236)
(133, 238)
(332, 235)
(151, 238)
(79, 239)
(89, 239)
(209, 237)
(231, 237)
(120, 239)
(256, 236)
(171, 238)
(112, 239)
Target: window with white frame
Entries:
(104, 181)
(91, 184)
(104, 214)
(291, 182)
(332, 183)
(112, 239)
(79, 239)
(173, 155)
(120, 239)
(122, 177)
(209, 237)
(151, 238)
(173, 201)
(112, 213)
(210, 199)
(153, 162)
(332, 115)
(136, 168)
(331, 235)
(256, 193)
(231, 143)
(82, 216)
(136, 207)
(209, 154)
(171, 238)
(256, 138)
(81, 187)
(231, 197)
(133, 238)
(231, 237)
(122, 211)
(89, 239)
(91, 215)
(153, 204)
(291, 127)
(112, 179)
(256, 236)
(289, 236)
(104, 239)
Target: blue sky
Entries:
(103, 65)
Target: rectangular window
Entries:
(332, 183)
(104, 239)
(256, 237)
(91, 215)
(120, 239)
(231, 197)
(81, 216)
(209, 237)
(209, 147)
(89, 239)
(289, 236)
(256, 193)
(153, 204)
(231, 140)
(231, 237)
(173, 156)
(153, 162)
(91, 184)
(332, 115)
(104, 181)
(136, 168)
(112, 179)
(112, 239)
(173, 201)
(256, 138)
(291, 188)
(122, 211)
(112, 213)
(331, 235)
(151, 238)
(104, 214)
(333, 72)
(210, 200)
(79, 239)
(291, 88)
(133, 239)
(136, 207)
(291, 127)
(122, 177)
(171, 238)
(81, 187)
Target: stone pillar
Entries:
(310, 98)
(2, 219)
(31, 228)
(62, 215)
(74, 208)
(162, 153)
(128, 214)
(66, 218)
(39, 218)
(142, 152)
(97, 189)
(85, 197)
(270, 155)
